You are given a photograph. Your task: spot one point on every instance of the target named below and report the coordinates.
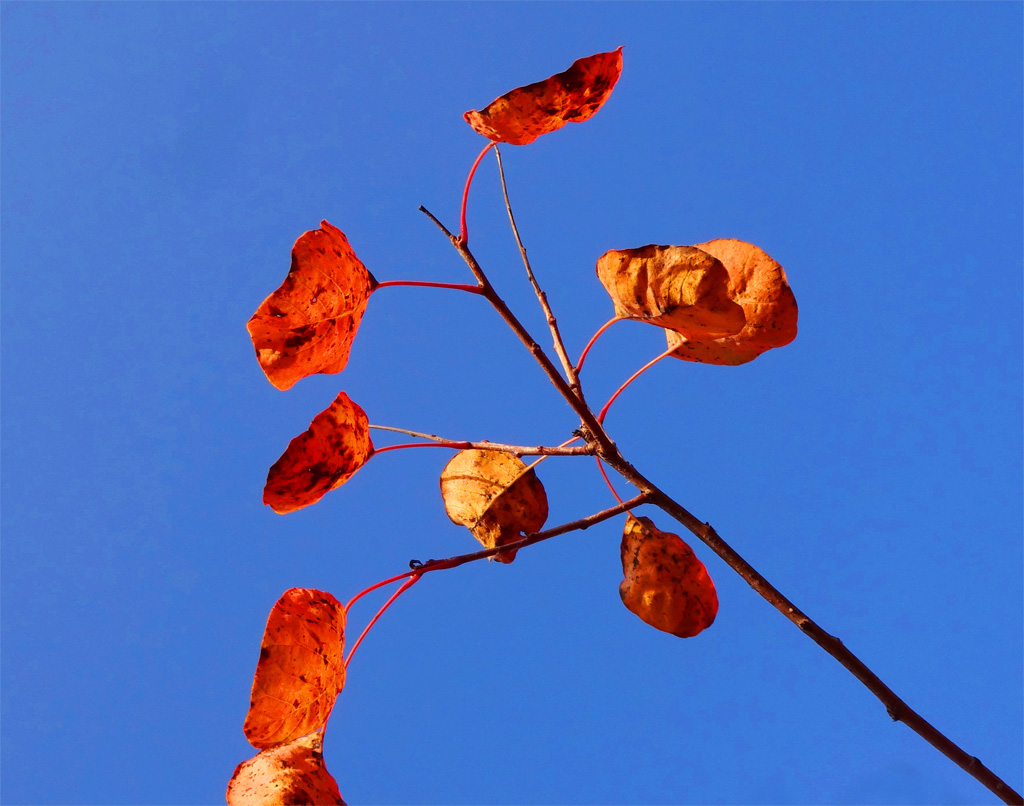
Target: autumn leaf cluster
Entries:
(719, 302)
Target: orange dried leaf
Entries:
(494, 496)
(307, 326)
(301, 668)
(677, 287)
(285, 775)
(665, 584)
(524, 114)
(758, 284)
(336, 444)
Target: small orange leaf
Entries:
(522, 115)
(301, 668)
(758, 284)
(665, 584)
(325, 456)
(307, 326)
(494, 496)
(677, 287)
(285, 775)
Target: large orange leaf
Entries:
(494, 496)
(678, 287)
(665, 584)
(325, 456)
(286, 775)
(524, 114)
(301, 668)
(307, 326)
(759, 285)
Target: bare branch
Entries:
(570, 370)
(519, 450)
(529, 540)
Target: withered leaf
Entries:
(677, 287)
(301, 668)
(325, 456)
(665, 584)
(286, 775)
(522, 115)
(494, 496)
(759, 285)
(307, 326)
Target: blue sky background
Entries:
(158, 162)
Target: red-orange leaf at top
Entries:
(524, 114)
(301, 668)
(322, 458)
(307, 326)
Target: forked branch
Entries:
(593, 432)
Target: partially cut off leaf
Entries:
(307, 326)
(665, 584)
(336, 444)
(677, 287)
(758, 284)
(290, 774)
(301, 668)
(522, 115)
(494, 496)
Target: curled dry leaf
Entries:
(286, 775)
(494, 496)
(665, 584)
(758, 284)
(336, 444)
(307, 326)
(301, 668)
(677, 287)
(524, 114)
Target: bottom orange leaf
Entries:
(665, 584)
(301, 669)
(290, 774)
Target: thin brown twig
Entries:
(570, 371)
(519, 450)
(573, 526)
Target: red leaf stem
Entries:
(463, 233)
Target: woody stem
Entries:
(570, 370)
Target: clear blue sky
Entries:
(159, 160)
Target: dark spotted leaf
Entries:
(336, 444)
(665, 584)
(307, 326)
(522, 115)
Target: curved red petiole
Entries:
(372, 588)
(600, 330)
(414, 577)
(463, 233)
(600, 466)
(630, 379)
